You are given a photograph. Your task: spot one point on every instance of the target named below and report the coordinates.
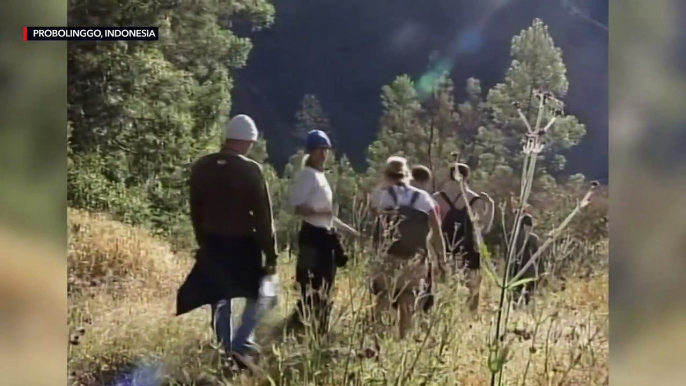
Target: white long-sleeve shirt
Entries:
(311, 188)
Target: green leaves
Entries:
(141, 113)
(536, 65)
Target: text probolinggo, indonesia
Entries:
(91, 33)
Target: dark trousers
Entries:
(315, 275)
(315, 304)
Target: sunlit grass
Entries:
(125, 327)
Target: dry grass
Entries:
(32, 304)
(123, 325)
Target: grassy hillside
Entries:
(122, 284)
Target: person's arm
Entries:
(195, 206)
(341, 226)
(264, 220)
(483, 213)
(427, 204)
(488, 213)
(299, 192)
(436, 236)
(440, 203)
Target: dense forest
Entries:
(140, 113)
(344, 52)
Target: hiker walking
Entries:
(401, 276)
(525, 247)
(320, 252)
(458, 227)
(422, 179)
(231, 213)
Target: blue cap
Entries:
(316, 139)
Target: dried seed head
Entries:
(595, 184)
(541, 132)
(516, 105)
(532, 350)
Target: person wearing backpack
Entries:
(421, 178)
(409, 223)
(458, 228)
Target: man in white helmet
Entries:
(232, 218)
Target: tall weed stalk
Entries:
(535, 143)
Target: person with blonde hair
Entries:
(401, 276)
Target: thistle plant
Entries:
(532, 149)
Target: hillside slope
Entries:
(123, 283)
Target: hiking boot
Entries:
(244, 362)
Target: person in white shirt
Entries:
(422, 179)
(400, 279)
(459, 227)
(320, 250)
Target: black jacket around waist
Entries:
(320, 249)
(225, 268)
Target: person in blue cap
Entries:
(320, 252)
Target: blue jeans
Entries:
(238, 340)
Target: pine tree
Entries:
(482, 141)
(400, 121)
(425, 133)
(440, 128)
(311, 116)
(537, 67)
(141, 113)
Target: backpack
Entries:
(457, 227)
(407, 226)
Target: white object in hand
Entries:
(269, 286)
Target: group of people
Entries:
(420, 233)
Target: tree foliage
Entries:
(537, 66)
(140, 113)
(310, 117)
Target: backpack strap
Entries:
(394, 196)
(450, 203)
